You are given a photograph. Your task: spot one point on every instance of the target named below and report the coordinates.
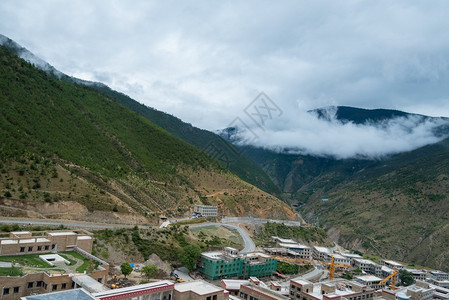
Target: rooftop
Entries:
(293, 245)
(233, 284)
(199, 287)
(165, 284)
(322, 249)
(368, 278)
(61, 233)
(213, 255)
(76, 294)
(265, 291)
(90, 284)
(20, 232)
(365, 261)
(9, 242)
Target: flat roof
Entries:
(75, 294)
(213, 255)
(293, 245)
(42, 240)
(301, 281)
(394, 263)
(257, 254)
(233, 284)
(338, 256)
(164, 284)
(20, 232)
(27, 241)
(84, 237)
(351, 255)
(272, 294)
(62, 233)
(369, 278)
(322, 249)
(9, 242)
(365, 261)
(90, 284)
(199, 287)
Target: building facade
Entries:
(206, 210)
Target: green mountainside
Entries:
(395, 207)
(225, 153)
(68, 151)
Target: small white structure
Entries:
(51, 259)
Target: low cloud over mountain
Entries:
(323, 133)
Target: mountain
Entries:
(395, 206)
(68, 151)
(220, 149)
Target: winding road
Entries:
(249, 244)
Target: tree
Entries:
(189, 256)
(406, 278)
(150, 271)
(126, 269)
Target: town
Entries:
(58, 264)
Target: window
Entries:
(16, 289)
(73, 284)
(38, 283)
(30, 248)
(209, 298)
(30, 285)
(39, 248)
(22, 249)
(5, 291)
(54, 287)
(47, 247)
(63, 286)
(45, 286)
(53, 246)
(100, 280)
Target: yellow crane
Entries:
(331, 265)
(393, 277)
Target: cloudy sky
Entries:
(205, 61)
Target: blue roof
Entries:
(76, 294)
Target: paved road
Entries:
(68, 223)
(249, 244)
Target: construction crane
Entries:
(393, 277)
(331, 265)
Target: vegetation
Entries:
(305, 234)
(150, 271)
(126, 269)
(62, 141)
(406, 278)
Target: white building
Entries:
(206, 210)
(367, 266)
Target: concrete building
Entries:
(370, 281)
(297, 250)
(258, 265)
(221, 264)
(205, 210)
(338, 259)
(418, 274)
(199, 290)
(335, 290)
(229, 263)
(320, 253)
(233, 285)
(161, 290)
(25, 242)
(35, 243)
(419, 291)
(438, 275)
(253, 292)
(367, 266)
(391, 264)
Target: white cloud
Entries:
(308, 134)
(204, 62)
